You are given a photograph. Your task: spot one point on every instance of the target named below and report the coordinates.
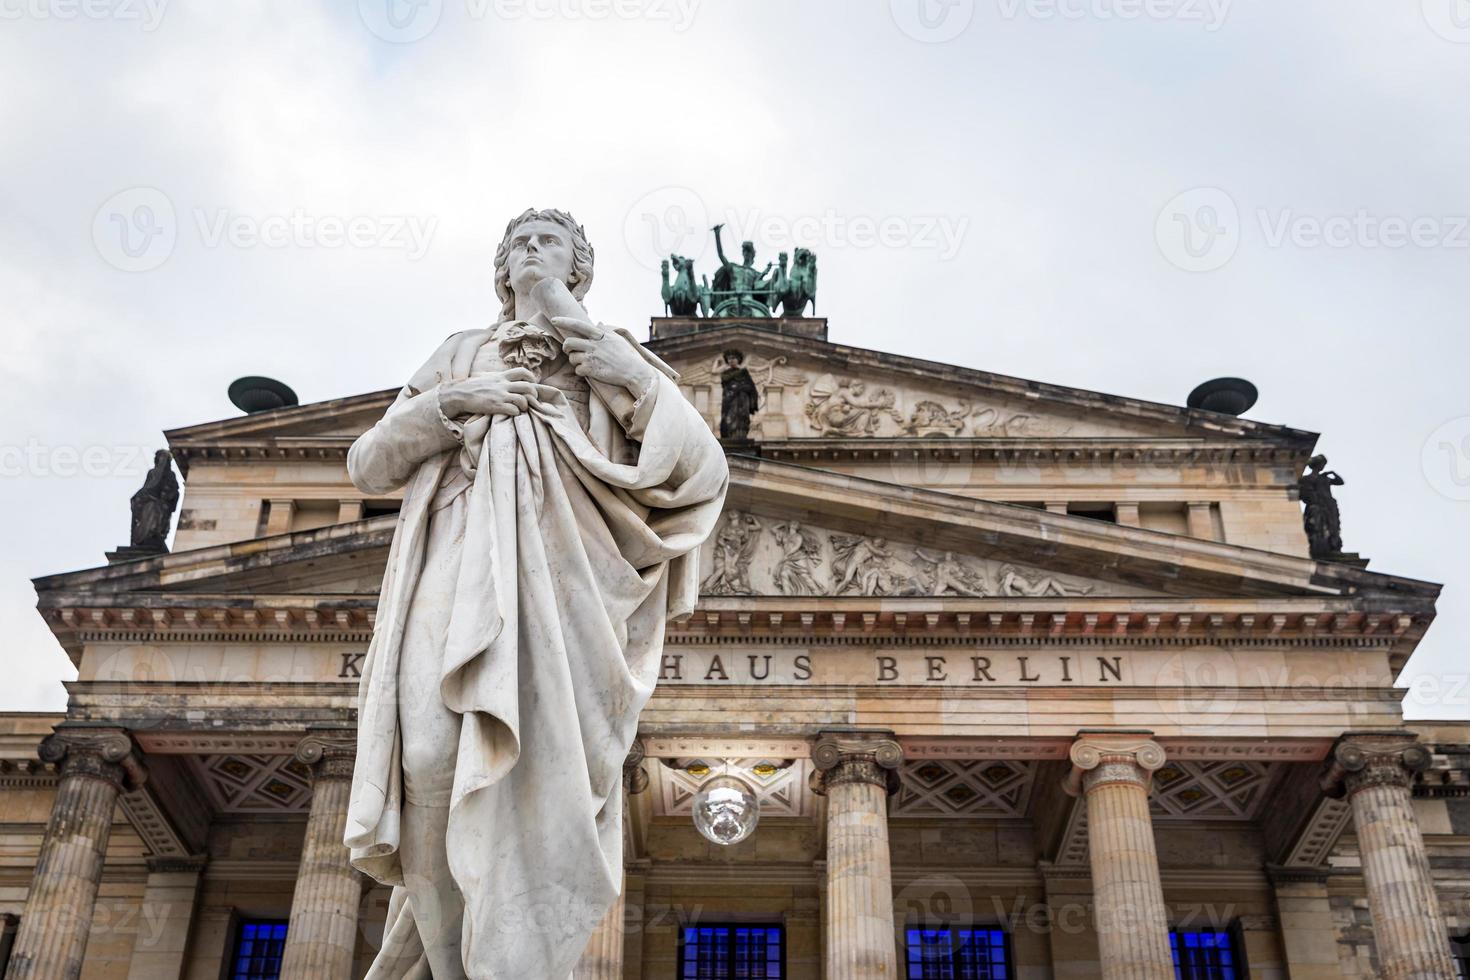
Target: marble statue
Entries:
(1321, 517)
(557, 488)
(153, 505)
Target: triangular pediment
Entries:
(339, 560)
(332, 424)
(762, 552)
(795, 531)
(795, 543)
(813, 389)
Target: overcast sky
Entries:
(1129, 196)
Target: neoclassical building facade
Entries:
(1030, 682)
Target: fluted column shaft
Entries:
(1408, 927)
(322, 934)
(603, 957)
(1114, 773)
(854, 772)
(95, 768)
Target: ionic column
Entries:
(1377, 773)
(1114, 771)
(603, 957)
(322, 934)
(96, 766)
(855, 771)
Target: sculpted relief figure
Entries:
(557, 488)
(948, 575)
(734, 546)
(930, 418)
(801, 553)
(1013, 583)
(845, 408)
(868, 567)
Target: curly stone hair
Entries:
(581, 279)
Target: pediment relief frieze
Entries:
(801, 396)
(753, 555)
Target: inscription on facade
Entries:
(957, 668)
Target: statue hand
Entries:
(600, 354)
(504, 393)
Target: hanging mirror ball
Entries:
(726, 810)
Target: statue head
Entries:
(804, 257)
(541, 244)
(1316, 463)
(161, 458)
(747, 250)
(734, 358)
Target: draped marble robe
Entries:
(579, 545)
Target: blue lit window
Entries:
(1460, 950)
(732, 953)
(1204, 956)
(957, 954)
(258, 948)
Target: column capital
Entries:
(855, 756)
(1102, 757)
(107, 754)
(1363, 759)
(329, 753)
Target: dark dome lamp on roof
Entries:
(1228, 396)
(252, 394)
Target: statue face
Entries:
(539, 250)
(748, 250)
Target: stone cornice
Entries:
(1090, 452)
(1142, 623)
(1306, 620)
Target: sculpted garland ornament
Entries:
(556, 489)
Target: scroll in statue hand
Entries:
(557, 487)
